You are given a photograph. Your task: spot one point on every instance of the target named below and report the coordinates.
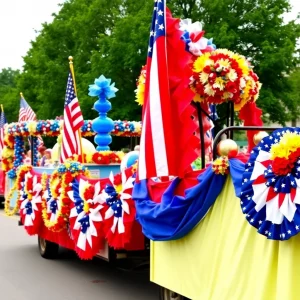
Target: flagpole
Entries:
(73, 76)
(2, 110)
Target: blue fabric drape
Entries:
(175, 216)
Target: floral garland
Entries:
(222, 76)
(55, 200)
(7, 210)
(100, 158)
(51, 202)
(54, 127)
(7, 159)
(18, 156)
(106, 157)
(127, 128)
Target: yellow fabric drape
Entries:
(224, 258)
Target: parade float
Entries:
(228, 230)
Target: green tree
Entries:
(254, 28)
(9, 93)
(74, 31)
(294, 95)
(111, 38)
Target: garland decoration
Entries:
(55, 201)
(18, 156)
(53, 128)
(106, 157)
(271, 185)
(8, 211)
(127, 128)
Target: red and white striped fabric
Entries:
(155, 159)
(26, 113)
(73, 121)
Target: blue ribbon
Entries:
(28, 208)
(113, 201)
(85, 223)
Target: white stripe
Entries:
(159, 147)
(72, 137)
(142, 156)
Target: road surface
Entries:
(24, 275)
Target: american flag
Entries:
(155, 159)
(2, 124)
(73, 121)
(26, 113)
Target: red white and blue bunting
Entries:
(30, 202)
(270, 193)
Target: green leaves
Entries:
(111, 38)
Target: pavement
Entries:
(25, 275)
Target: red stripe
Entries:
(166, 106)
(70, 138)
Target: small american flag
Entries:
(2, 124)
(26, 113)
(155, 159)
(73, 121)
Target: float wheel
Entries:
(47, 249)
(165, 294)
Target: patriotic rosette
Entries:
(86, 217)
(30, 202)
(120, 215)
(270, 193)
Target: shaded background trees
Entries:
(111, 37)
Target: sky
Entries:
(20, 18)
(18, 21)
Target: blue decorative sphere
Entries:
(129, 160)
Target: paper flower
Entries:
(86, 211)
(117, 202)
(102, 88)
(222, 76)
(270, 187)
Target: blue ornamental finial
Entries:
(102, 88)
(103, 125)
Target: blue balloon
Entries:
(129, 160)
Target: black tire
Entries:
(47, 249)
(165, 294)
(2, 200)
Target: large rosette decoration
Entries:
(222, 76)
(120, 213)
(270, 195)
(30, 199)
(86, 217)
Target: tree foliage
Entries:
(111, 38)
(9, 93)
